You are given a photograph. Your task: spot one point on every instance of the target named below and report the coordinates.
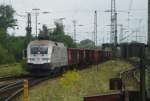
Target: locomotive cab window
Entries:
(43, 50)
(39, 49)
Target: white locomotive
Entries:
(44, 55)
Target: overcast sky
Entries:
(83, 12)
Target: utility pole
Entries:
(28, 28)
(130, 8)
(142, 75)
(113, 21)
(115, 39)
(74, 24)
(149, 24)
(113, 26)
(121, 33)
(36, 24)
(36, 14)
(95, 28)
(136, 35)
(148, 47)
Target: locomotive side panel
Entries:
(59, 57)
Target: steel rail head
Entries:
(17, 87)
(9, 98)
(11, 86)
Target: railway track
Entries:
(136, 65)
(135, 70)
(6, 78)
(10, 90)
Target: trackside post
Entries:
(26, 91)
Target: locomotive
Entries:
(49, 56)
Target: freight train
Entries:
(49, 56)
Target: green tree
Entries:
(5, 56)
(7, 20)
(2, 36)
(57, 35)
(68, 41)
(16, 46)
(10, 46)
(86, 44)
(58, 32)
(44, 33)
(7, 17)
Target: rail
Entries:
(6, 78)
(10, 90)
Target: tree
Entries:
(57, 35)
(68, 41)
(44, 33)
(16, 46)
(86, 44)
(5, 56)
(59, 28)
(6, 21)
(2, 36)
(58, 32)
(7, 17)
(10, 46)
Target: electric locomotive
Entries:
(44, 55)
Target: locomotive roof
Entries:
(46, 42)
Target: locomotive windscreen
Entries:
(39, 49)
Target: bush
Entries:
(69, 79)
(5, 56)
(23, 64)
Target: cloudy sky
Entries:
(83, 12)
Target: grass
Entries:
(74, 85)
(11, 70)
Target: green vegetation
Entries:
(10, 46)
(147, 79)
(7, 19)
(74, 85)
(57, 34)
(86, 44)
(11, 70)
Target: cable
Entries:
(24, 16)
